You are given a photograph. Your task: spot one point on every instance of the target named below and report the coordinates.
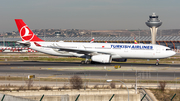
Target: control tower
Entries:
(153, 23)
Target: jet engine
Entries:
(102, 58)
(120, 60)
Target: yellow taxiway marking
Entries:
(177, 78)
(25, 68)
(12, 68)
(58, 69)
(51, 76)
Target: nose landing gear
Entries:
(157, 62)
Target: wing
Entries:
(79, 51)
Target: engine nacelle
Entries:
(120, 60)
(102, 58)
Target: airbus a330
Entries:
(96, 52)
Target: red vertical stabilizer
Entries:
(25, 32)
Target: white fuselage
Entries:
(116, 50)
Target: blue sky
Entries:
(88, 14)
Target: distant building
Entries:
(9, 33)
(57, 33)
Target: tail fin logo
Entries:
(26, 33)
(92, 40)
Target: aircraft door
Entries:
(158, 49)
(125, 49)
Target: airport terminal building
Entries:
(169, 41)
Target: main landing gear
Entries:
(157, 62)
(86, 62)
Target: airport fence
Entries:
(5, 97)
(144, 94)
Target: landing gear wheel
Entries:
(82, 62)
(88, 62)
(85, 62)
(157, 63)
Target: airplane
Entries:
(135, 42)
(93, 52)
(92, 40)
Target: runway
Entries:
(67, 69)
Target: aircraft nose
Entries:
(173, 53)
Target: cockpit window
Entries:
(153, 16)
(168, 49)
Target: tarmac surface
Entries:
(97, 71)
